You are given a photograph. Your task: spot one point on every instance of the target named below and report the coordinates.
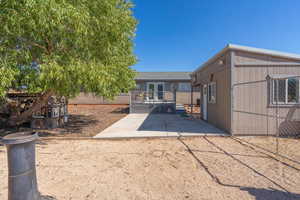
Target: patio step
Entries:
(152, 108)
(141, 108)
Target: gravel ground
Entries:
(192, 168)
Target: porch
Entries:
(152, 101)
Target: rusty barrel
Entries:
(22, 182)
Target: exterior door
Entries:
(155, 91)
(204, 102)
(151, 91)
(160, 91)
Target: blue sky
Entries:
(179, 35)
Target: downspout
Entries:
(232, 59)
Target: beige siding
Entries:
(185, 97)
(252, 113)
(244, 57)
(219, 71)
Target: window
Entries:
(138, 86)
(184, 87)
(285, 91)
(212, 92)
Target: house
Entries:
(157, 83)
(162, 91)
(250, 91)
(156, 86)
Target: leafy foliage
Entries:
(6, 77)
(67, 46)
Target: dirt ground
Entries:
(199, 168)
(89, 120)
(85, 120)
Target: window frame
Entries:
(285, 102)
(138, 86)
(209, 93)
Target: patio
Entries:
(158, 125)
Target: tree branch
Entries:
(15, 120)
(38, 45)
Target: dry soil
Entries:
(157, 169)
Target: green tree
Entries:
(63, 47)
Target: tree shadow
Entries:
(41, 142)
(258, 193)
(75, 125)
(77, 122)
(124, 110)
(47, 197)
(270, 194)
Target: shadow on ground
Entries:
(77, 122)
(258, 193)
(75, 125)
(121, 111)
(270, 194)
(176, 123)
(47, 197)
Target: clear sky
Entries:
(179, 35)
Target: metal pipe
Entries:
(192, 100)
(22, 182)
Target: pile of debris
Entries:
(52, 115)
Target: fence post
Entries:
(22, 183)
(277, 113)
(192, 99)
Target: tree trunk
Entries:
(17, 119)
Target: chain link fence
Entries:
(267, 107)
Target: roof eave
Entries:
(212, 59)
(235, 47)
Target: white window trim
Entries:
(209, 92)
(286, 93)
(155, 89)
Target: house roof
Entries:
(163, 76)
(250, 50)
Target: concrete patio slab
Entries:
(158, 125)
